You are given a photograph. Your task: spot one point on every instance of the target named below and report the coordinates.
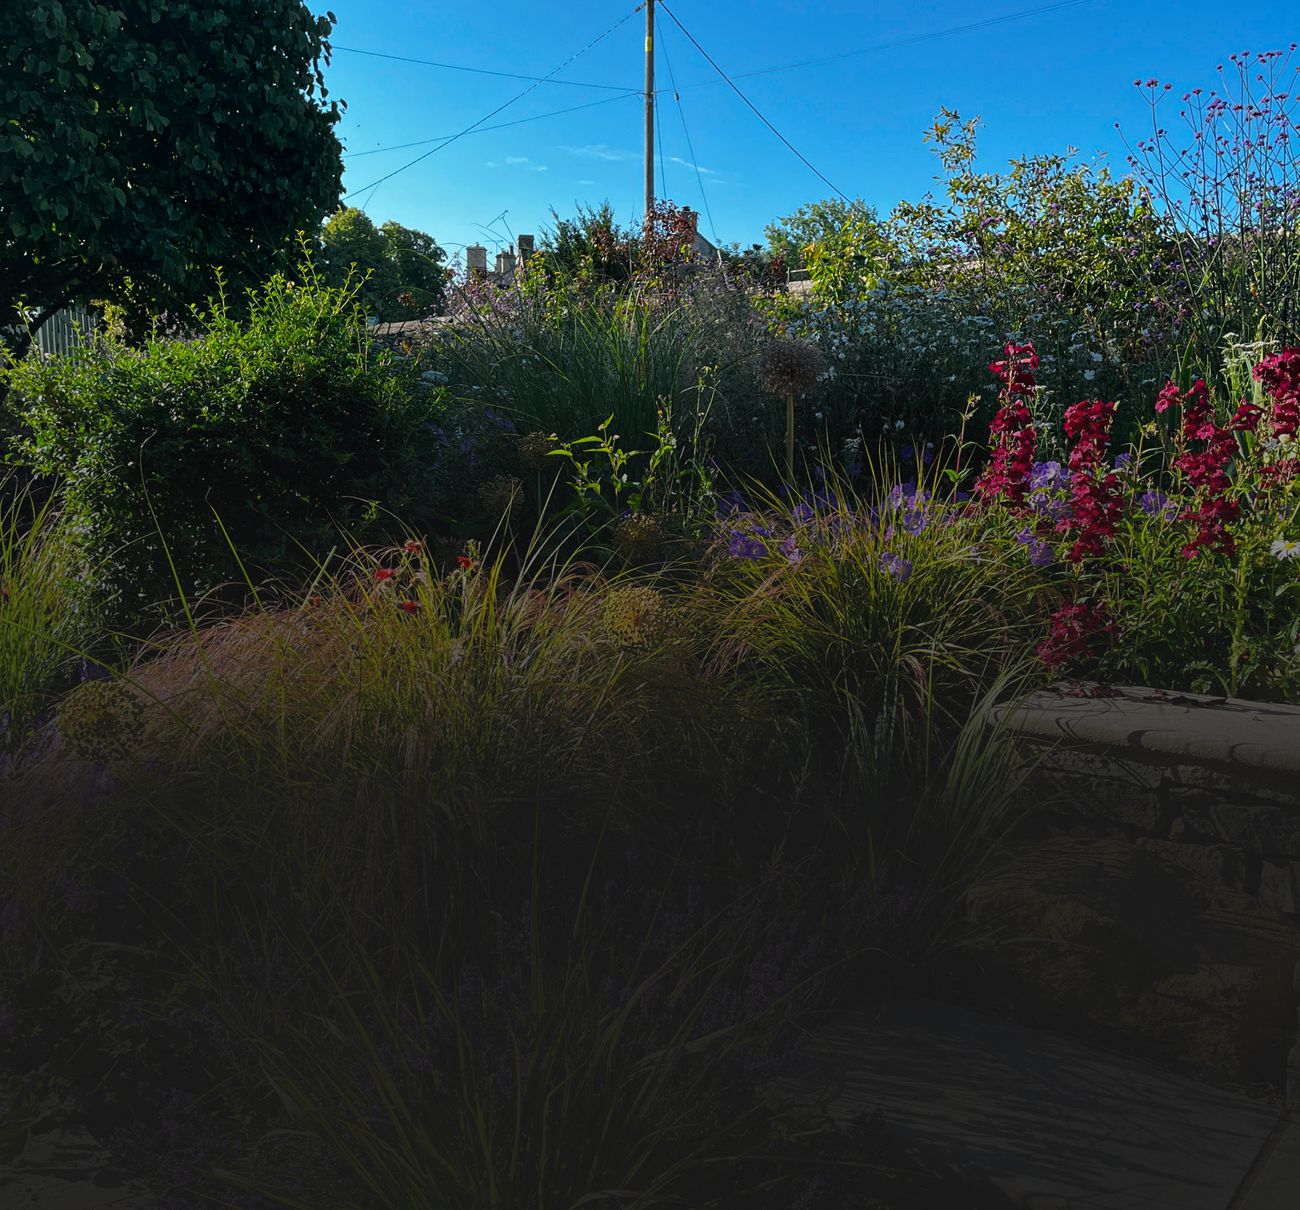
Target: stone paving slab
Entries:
(68, 1170)
(1275, 1182)
(1047, 1122)
(1229, 734)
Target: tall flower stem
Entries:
(789, 437)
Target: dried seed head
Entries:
(790, 367)
(500, 493)
(637, 616)
(534, 451)
(638, 535)
(101, 720)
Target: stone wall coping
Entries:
(1256, 740)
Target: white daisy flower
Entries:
(1284, 548)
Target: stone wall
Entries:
(1218, 826)
(1205, 788)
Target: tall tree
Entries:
(154, 140)
(816, 223)
(407, 274)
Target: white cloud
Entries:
(602, 151)
(676, 159)
(520, 161)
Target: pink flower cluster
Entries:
(1007, 472)
(1095, 504)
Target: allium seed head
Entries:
(790, 367)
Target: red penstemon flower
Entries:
(383, 573)
(1207, 469)
(1073, 628)
(1012, 428)
(1280, 375)
(464, 562)
(414, 547)
(411, 606)
(1095, 505)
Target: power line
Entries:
(480, 71)
(677, 96)
(803, 159)
(537, 117)
(899, 43)
(506, 105)
(659, 138)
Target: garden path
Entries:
(1034, 1119)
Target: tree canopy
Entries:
(154, 141)
(816, 223)
(407, 270)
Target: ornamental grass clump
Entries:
(45, 619)
(789, 368)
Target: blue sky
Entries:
(1043, 82)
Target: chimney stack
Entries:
(476, 260)
(527, 246)
(505, 265)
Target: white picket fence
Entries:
(63, 333)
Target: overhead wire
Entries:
(480, 71)
(537, 117)
(690, 147)
(519, 97)
(899, 43)
(759, 113)
(663, 168)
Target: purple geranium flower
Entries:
(914, 521)
(746, 546)
(1047, 475)
(898, 567)
(1154, 502)
(790, 549)
(1040, 554)
(732, 502)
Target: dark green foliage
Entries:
(282, 425)
(406, 280)
(152, 141)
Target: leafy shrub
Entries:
(273, 429)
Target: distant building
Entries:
(508, 264)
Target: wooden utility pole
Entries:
(649, 109)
